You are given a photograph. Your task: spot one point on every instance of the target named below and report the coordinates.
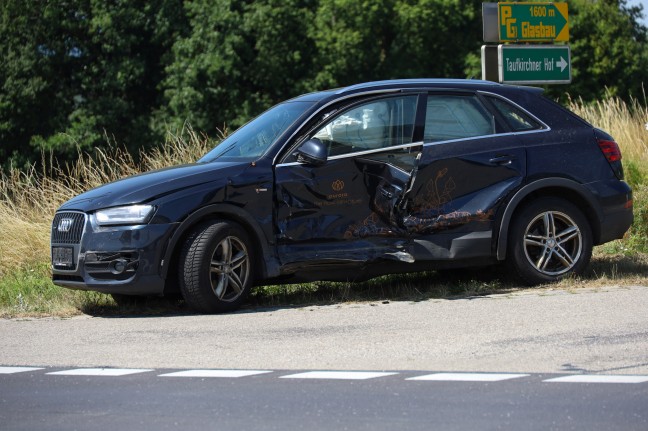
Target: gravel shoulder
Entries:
(601, 330)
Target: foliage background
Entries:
(89, 74)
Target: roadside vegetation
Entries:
(79, 74)
(29, 198)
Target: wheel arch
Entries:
(265, 257)
(557, 187)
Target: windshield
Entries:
(256, 137)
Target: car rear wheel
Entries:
(549, 239)
(216, 267)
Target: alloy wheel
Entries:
(553, 243)
(229, 269)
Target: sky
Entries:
(645, 9)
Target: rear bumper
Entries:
(617, 214)
(616, 225)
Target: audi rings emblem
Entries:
(65, 225)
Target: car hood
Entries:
(152, 185)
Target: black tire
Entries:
(549, 239)
(216, 267)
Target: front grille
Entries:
(67, 227)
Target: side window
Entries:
(456, 117)
(516, 119)
(376, 124)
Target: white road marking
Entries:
(112, 372)
(594, 378)
(215, 373)
(335, 375)
(338, 375)
(13, 370)
(468, 377)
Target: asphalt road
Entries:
(506, 351)
(146, 401)
(539, 331)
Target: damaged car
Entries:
(352, 183)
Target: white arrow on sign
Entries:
(562, 63)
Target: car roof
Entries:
(418, 83)
(423, 83)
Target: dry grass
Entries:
(28, 200)
(626, 122)
(185, 147)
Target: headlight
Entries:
(132, 214)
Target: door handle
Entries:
(502, 160)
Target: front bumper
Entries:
(115, 259)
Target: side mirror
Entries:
(312, 152)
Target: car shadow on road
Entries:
(420, 286)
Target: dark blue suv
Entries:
(348, 184)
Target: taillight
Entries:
(610, 150)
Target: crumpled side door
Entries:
(346, 209)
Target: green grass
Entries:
(28, 293)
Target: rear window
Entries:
(456, 117)
(517, 119)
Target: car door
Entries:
(470, 162)
(347, 208)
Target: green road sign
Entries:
(523, 64)
(533, 22)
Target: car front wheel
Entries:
(549, 239)
(216, 267)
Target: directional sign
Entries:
(541, 64)
(533, 22)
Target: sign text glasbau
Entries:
(533, 22)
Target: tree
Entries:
(609, 49)
(239, 58)
(34, 74)
(120, 59)
(79, 73)
(434, 37)
(353, 40)
(381, 39)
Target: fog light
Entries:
(119, 266)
